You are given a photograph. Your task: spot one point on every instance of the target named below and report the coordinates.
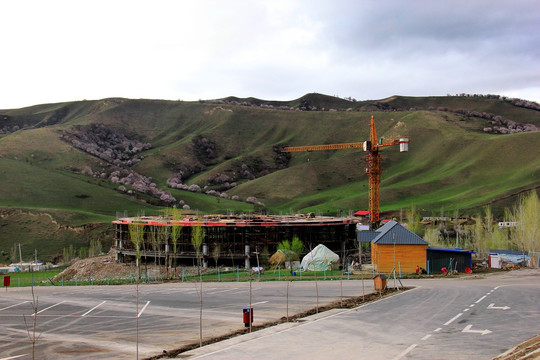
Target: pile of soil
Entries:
(105, 267)
(98, 267)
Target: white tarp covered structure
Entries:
(319, 259)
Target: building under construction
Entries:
(229, 238)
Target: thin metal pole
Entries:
(287, 301)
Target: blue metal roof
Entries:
(391, 233)
(394, 233)
(366, 236)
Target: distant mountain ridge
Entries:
(224, 155)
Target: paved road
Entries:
(476, 318)
(100, 322)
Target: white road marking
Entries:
(467, 329)
(465, 310)
(50, 307)
(452, 319)
(260, 302)
(437, 330)
(492, 306)
(9, 307)
(144, 307)
(471, 305)
(13, 357)
(220, 291)
(426, 337)
(301, 325)
(92, 309)
(482, 298)
(408, 350)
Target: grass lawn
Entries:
(38, 277)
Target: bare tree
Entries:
(413, 219)
(526, 235)
(164, 239)
(136, 234)
(32, 326)
(216, 252)
(153, 233)
(197, 238)
(175, 233)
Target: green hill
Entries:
(232, 146)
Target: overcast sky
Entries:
(53, 51)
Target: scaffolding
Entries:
(238, 237)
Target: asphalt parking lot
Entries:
(100, 322)
(476, 317)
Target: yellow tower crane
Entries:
(373, 160)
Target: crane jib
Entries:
(373, 159)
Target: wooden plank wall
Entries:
(408, 257)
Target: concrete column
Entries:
(246, 255)
(205, 255)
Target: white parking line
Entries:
(92, 309)
(437, 330)
(482, 298)
(144, 307)
(221, 291)
(260, 302)
(50, 307)
(452, 319)
(9, 307)
(408, 350)
(426, 337)
(13, 357)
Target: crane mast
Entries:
(373, 160)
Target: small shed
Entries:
(451, 259)
(395, 247)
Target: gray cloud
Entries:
(269, 49)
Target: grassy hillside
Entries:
(451, 162)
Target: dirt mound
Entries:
(105, 267)
(98, 267)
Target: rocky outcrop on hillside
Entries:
(120, 151)
(248, 169)
(141, 184)
(107, 144)
(501, 126)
